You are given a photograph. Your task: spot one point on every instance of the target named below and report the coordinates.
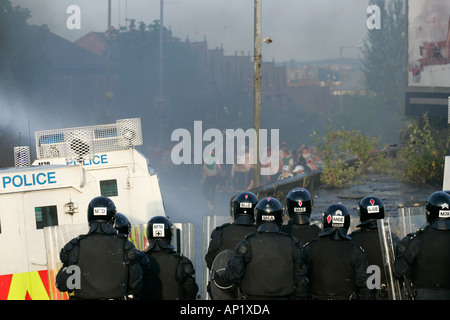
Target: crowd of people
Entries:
(240, 175)
(268, 257)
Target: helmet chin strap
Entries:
(440, 224)
(268, 227)
(159, 245)
(300, 219)
(245, 219)
(335, 233)
(369, 224)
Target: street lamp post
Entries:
(108, 94)
(257, 88)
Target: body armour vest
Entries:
(305, 233)
(166, 282)
(330, 269)
(369, 240)
(102, 263)
(270, 272)
(233, 234)
(430, 268)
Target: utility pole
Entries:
(108, 72)
(161, 34)
(257, 88)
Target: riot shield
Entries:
(209, 224)
(184, 240)
(391, 230)
(219, 265)
(56, 238)
(388, 252)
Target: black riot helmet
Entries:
(438, 210)
(370, 208)
(159, 228)
(122, 224)
(269, 210)
(101, 209)
(336, 216)
(244, 204)
(299, 205)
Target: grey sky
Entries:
(303, 30)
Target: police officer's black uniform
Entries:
(299, 207)
(267, 264)
(424, 257)
(123, 226)
(370, 209)
(336, 265)
(228, 235)
(172, 274)
(107, 261)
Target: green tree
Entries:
(424, 155)
(384, 54)
(346, 155)
(23, 65)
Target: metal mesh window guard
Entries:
(81, 143)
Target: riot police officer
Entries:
(123, 226)
(228, 235)
(299, 206)
(423, 257)
(173, 274)
(371, 209)
(267, 264)
(106, 260)
(336, 265)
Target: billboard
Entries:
(428, 54)
(429, 43)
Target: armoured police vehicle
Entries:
(43, 205)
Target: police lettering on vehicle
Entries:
(27, 180)
(96, 160)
